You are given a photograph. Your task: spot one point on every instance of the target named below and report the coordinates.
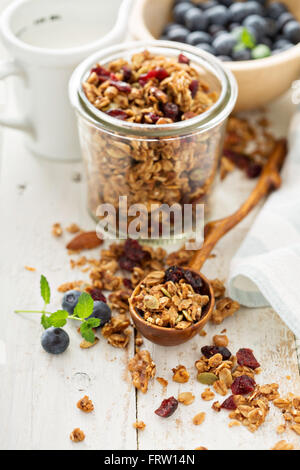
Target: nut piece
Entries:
(77, 435)
(73, 228)
(57, 230)
(283, 445)
(139, 425)
(218, 288)
(115, 331)
(186, 398)
(181, 375)
(85, 404)
(220, 340)
(142, 369)
(84, 241)
(199, 418)
(207, 395)
(224, 308)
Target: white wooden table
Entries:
(39, 392)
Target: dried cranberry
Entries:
(121, 86)
(182, 59)
(134, 251)
(241, 160)
(171, 110)
(96, 294)
(245, 357)
(194, 86)
(158, 73)
(127, 283)
(118, 114)
(194, 280)
(174, 274)
(126, 263)
(153, 117)
(101, 71)
(254, 170)
(229, 403)
(243, 385)
(127, 73)
(210, 351)
(167, 407)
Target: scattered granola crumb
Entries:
(201, 448)
(139, 425)
(186, 398)
(281, 429)
(86, 344)
(224, 308)
(216, 406)
(57, 230)
(116, 331)
(29, 268)
(220, 340)
(283, 445)
(218, 288)
(139, 340)
(207, 395)
(180, 374)
(162, 382)
(231, 424)
(202, 333)
(73, 228)
(70, 286)
(199, 418)
(77, 435)
(85, 404)
(288, 377)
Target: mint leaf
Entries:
(247, 39)
(58, 319)
(87, 332)
(93, 322)
(45, 321)
(45, 290)
(84, 307)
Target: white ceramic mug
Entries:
(47, 39)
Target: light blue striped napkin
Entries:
(266, 269)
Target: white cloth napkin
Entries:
(266, 269)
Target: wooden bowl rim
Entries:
(134, 314)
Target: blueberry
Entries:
(224, 43)
(70, 300)
(224, 58)
(275, 9)
(282, 49)
(238, 12)
(206, 47)
(218, 15)
(168, 27)
(55, 340)
(271, 28)
(176, 2)
(102, 311)
(253, 8)
(197, 37)
(280, 43)
(256, 35)
(242, 53)
(256, 22)
(292, 31)
(233, 26)
(266, 41)
(262, 2)
(227, 3)
(237, 32)
(209, 4)
(284, 19)
(215, 29)
(180, 11)
(178, 34)
(196, 19)
(260, 51)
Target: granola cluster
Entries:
(142, 369)
(149, 170)
(168, 304)
(149, 89)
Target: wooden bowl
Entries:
(260, 81)
(171, 336)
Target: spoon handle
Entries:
(269, 180)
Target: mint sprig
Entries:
(58, 319)
(246, 39)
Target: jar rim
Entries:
(201, 123)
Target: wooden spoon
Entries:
(269, 180)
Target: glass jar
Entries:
(153, 165)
